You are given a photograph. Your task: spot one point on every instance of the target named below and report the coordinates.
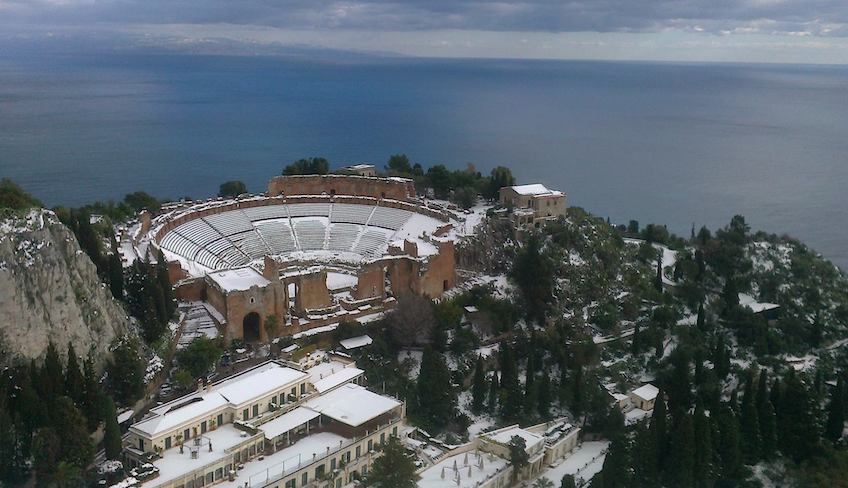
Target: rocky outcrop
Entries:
(49, 290)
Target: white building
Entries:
(272, 425)
(644, 397)
(533, 204)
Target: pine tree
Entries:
(749, 423)
(544, 397)
(682, 454)
(836, 412)
(492, 401)
(478, 389)
(702, 469)
(112, 434)
(74, 382)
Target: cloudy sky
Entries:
(813, 31)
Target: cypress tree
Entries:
(702, 469)
(116, 271)
(478, 389)
(492, 402)
(836, 413)
(682, 454)
(658, 281)
(436, 399)
(750, 424)
(659, 429)
(513, 399)
(645, 461)
(544, 397)
(729, 454)
(635, 345)
(164, 282)
(615, 469)
(70, 426)
(74, 382)
(51, 378)
(92, 395)
(701, 323)
(800, 434)
(768, 430)
(112, 434)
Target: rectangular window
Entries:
(255, 410)
(220, 419)
(141, 445)
(370, 445)
(302, 388)
(186, 435)
(319, 472)
(332, 464)
(394, 431)
(304, 479)
(358, 451)
(245, 414)
(291, 484)
(382, 438)
(168, 442)
(203, 427)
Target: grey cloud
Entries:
(815, 17)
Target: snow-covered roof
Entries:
(535, 189)
(232, 392)
(361, 166)
(124, 416)
(504, 436)
(465, 470)
(749, 302)
(471, 309)
(646, 392)
(336, 379)
(238, 279)
(352, 405)
(287, 422)
(356, 342)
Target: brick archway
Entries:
(251, 327)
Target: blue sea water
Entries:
(669, 143)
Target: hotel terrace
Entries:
(273, 425)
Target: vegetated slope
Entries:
(50, 291)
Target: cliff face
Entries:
(49, 290)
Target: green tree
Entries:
(544, 397)
(492, 400)
(70, 426)
(440, 180)
(125, 372)
(14, 197)
(659, 428)
(518, 457)
(116, 275)
(399, 163)
(51, 378)
(92, 394)
(836, 412)
(478, 389)
(645, 461)
(615, 469)
(308, 166)
(499, 177)
(533, 273)
(393, 468)
(568, 482)
(12, 461)
(799, 437)
(199, 356)
(702, 469)
(749, 423)
(46, 454)
(112, 433)
(543, 483)
(728, 449)
(436, 396)
(230, 189)
(140, 200)
(74, 381)
(680, 471)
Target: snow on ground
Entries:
(336, 281)
(669, 257)
(584, 463)
(502, 287)
(472, 220)
(414, 360)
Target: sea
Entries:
(680, 144)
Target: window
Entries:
(252, 300)
(358, 451)
(394, 431)
(141, 445)
(291, 484)
(332, 464)
(255, 410)
(220, 419)
(304, 479)
(370, 445)
(245, 414)
(186, 435)
(302, 388)
(203, 427)
(168, 442)
(382, 438)
(319, 471)
(294, 392)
